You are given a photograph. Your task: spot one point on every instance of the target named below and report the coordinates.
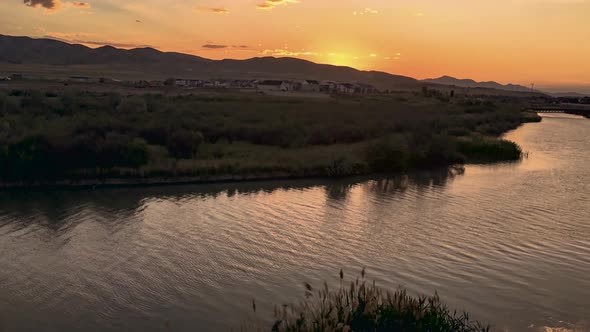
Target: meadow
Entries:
(49, 134)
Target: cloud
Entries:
(216, 10)
(83, 38)
(80, 4)
(214, 46)
(52, 5)
(219, 46)
(47, 4)
(366, 11)
(288, 53)
(271, 4)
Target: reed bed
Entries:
(362, 306)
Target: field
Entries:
(51, 134)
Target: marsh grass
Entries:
(69, 135)
(362, 306)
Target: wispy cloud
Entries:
(80, 4)
(215, 10)
(88, 39)
(214, 46)
(271, 4)
(285, 52)
(220, 46)
(52, 5)
(47, 4)
(366, 11)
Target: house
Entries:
(310, 86)
(275, 85)
(328, 86)
(287, 86)
(79, 79)
(345, 88)
(365, 89)
(188, 83)
(355, 89)
(221, 84)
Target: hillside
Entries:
(56, 56)
(469, 83)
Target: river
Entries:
(508, 243)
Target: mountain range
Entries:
(469, 83)
(62, 58)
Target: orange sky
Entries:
(519, 41)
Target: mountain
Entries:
(569, 94)
(23, 52)
(468, 83)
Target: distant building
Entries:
(310, 86)
(188, 83)
(141, 84)
(243, 84)
(365, 89)
(328, 86)
(275, 85)
(79, 79)
(5, 78)
(355, 89)
(345, 88)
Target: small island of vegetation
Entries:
(74, 137)
(363, 307)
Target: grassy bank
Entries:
(361, 306)
(86, 136)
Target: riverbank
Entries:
(106, 139)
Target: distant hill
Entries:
(468, 83)
(154, 63)
(569, 94)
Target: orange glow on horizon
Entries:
(510, 41)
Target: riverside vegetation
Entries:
(361, 306)
(81, 135)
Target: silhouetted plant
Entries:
(364, 307)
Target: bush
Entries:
(387, 155)
(365, 307)
(130, 105)
(482, 150)
(184, 144)
(122, 151)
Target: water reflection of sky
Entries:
(508, 242)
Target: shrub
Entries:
(130, 105)
(482, 150)
(388, 154)
(184, 144)
(364, 307)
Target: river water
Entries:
(509, 243)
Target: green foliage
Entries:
(66, 134)
(388, 154)
(130, 105)
(486, 150)
(184, 144)
(364, 307)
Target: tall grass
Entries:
(57, 135)
(361, 306)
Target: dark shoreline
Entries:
(184, 181)
(114, 183)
